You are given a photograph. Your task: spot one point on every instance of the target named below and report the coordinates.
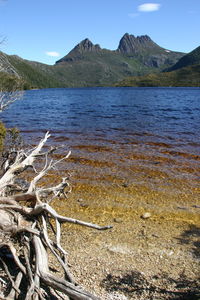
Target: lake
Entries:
(126, 143)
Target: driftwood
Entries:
(30, 231)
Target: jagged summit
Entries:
(131, 44)
(151, 54)
(87, 45)
(83, 47)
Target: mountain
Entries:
(140, 48)
(86, 46)
(192, 58)
(87, 64)
(130, 44)
(147, 51)
(134, 56)
(186, 72)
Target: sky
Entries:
(46, 30)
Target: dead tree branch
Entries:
(27, 233)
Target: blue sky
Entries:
(46, 30)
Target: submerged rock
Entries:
(146, 215)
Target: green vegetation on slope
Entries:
(192, 58)
(188, 76)
(2, 135)
(99, 69)
(10, 82)
(36, 75)
(93, 69)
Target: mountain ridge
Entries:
(88, 64)
(127, 44)
(189, 59)
(130, 44)
(186, 72)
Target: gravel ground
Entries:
(159, 260)
(149, 254)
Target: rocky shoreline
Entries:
(142, 257)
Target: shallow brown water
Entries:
(132, 149)
(121, 183)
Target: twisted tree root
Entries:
(25, 234)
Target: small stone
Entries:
(125, 185)
(146, 215)
(84, 205)
(117, 220)
(143, 232)
(120, 248)
(181, 207)
(196, 206)
(80, 200)
(155, 235)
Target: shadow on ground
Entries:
(135, 285)
(191, 237)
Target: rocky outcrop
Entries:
(129, 44)
(87, 45)
(83, 47)
(156, 61)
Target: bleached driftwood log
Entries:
(30, 229)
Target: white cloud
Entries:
(149, 7)
(52, 53)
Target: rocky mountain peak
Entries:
(87, 45)
(79, 50)
(131, 44)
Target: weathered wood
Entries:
(15, 289)
(26, 216)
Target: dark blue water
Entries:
(163, 114)
(124, 126)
